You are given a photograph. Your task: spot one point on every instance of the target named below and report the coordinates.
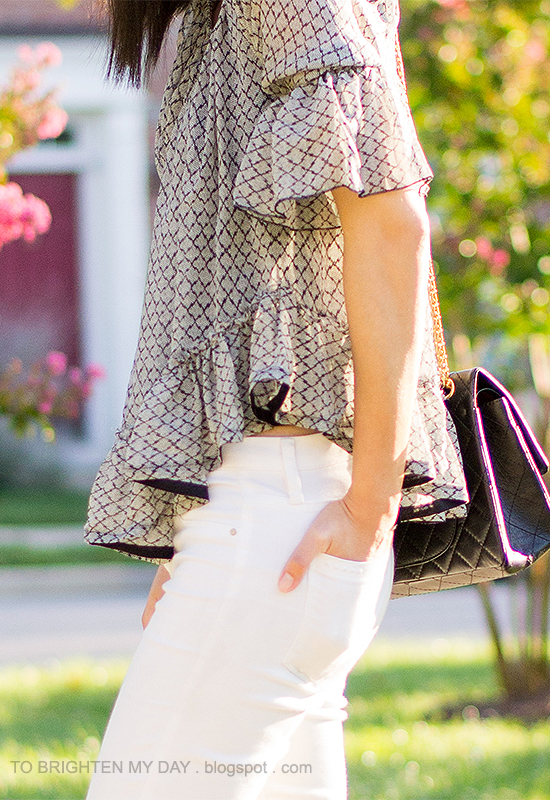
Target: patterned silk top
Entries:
(244, 323)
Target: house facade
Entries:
(79, 287)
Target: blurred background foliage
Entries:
(478, 74)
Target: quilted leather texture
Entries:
(508, 521)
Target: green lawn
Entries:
(395, 749)
(41, 507)
(25, 507)
(16, 556)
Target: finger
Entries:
(298, 563)
(146, 616)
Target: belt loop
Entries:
(290, 468)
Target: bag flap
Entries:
(483, 383)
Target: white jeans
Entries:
(236, 689)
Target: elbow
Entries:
(401, 219)
(407, 217)
(396, 216)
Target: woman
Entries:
(285, 325)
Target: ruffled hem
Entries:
(197, 405)
(347, 128)
(131, 517)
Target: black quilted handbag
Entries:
(507, 525)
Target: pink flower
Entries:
(36, 217)
(25, 53)
(499, 261)
(95, 371)
(25, 80)
(52, 124)
(48, 54)
(21, 215)
(56, 363)
(12, 205)
(75, 376)
(535, 50)
(460, 7)
(501, 258)
(48, 387)
(484, 247)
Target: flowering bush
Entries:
(49, 388)
(26, 117)
(21, 215)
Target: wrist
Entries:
(376, 511)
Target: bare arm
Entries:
(386, 259)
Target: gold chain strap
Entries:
(439, 340)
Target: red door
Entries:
(39, 308)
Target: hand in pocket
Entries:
(336, 532)
(345, 603)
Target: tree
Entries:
(478, 73)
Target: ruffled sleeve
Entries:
(336, 112)
(298, 36)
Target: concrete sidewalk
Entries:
(68, 611)
(46, 537)
(71, 611)
(69, 581)
(95, 611)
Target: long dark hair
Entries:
(137, 29)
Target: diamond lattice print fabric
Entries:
(244, 322)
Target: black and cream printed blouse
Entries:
(244, 324)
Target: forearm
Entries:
(385, 272)
(386, 258)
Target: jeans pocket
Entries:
(344, 606)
